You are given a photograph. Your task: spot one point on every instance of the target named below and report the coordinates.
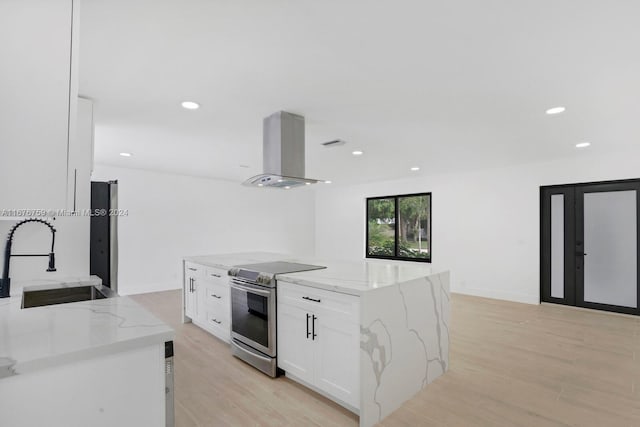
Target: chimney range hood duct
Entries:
(282, 153)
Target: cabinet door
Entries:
(81, 158)
(337, 355)
(191, 296)
(295, 350)
(36, 84)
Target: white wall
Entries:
(485, 223)
(71, 248)
(171, 216)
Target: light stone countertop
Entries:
(41, 337)
(358, 277)
(226, 261)
(349, 277)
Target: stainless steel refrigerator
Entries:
(104, 232)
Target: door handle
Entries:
(311, 299)
(308, 333)
(216, 296)
(580, 254)
(313, 327)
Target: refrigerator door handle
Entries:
(113, 234)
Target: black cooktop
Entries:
(278, 267)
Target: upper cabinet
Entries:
(81, 158)
(38, 103)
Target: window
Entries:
(399, 227)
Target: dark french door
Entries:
(589, 249)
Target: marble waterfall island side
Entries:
(404, 343)
(404, 328)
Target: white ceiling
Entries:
(445, 85)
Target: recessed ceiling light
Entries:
(555, 110)
(327, 182)
(583, 144)
(287, 187)
(280, 180)
(358, 153)
(307, 183)
(190, 105)
(125, 154)
(415, 168)
(260, 185)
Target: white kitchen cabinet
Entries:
(215, 304)
(319, 340)
(337, 361)
(192, 277)
(207, 299)
(38, 87)
(81, 158)
(295, 350)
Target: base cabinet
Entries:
(120, 389)
(337, 367)
(207, 299)
(295, 351)
(214, 303)
(192, 275)
(319, 340)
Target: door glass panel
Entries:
(610, 241)
(557, 246)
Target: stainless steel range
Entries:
(253, 311)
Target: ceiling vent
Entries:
(334, 143)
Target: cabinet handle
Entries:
(216, 321)
(191, 285)
(308, 333)
(75, 188)
(216, 296)
(311, 299)
(216, 275)
(192, 269)
(313, 327)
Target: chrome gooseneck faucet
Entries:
(5, 282)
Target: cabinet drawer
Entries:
(319, 299)
(218, 323)
(217, 275)
(193, 270)
(217, 296)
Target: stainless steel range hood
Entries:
(283, 153)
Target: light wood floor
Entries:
(511, 365)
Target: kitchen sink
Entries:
(63, 295)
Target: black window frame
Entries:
(396, 257)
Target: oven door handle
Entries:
(251, 290)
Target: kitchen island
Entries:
(99, 362)
(379, 330)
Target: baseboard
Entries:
(501, 295)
